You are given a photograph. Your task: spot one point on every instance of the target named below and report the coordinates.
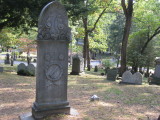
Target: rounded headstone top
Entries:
(53, 23)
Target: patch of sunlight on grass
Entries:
(100, 85)
(87, 118)
(114, 90)
(143, 99)
(100, 103)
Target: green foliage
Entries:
(134, 55)
(19, 13)
(116, 34)
(7, 38)
(107, 63)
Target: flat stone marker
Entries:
(130, 78)
(53, 38)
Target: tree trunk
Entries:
(147, 72)
(88, 57)
(117, 62)
(124, 44)
(128, 10)
(85, 22)
(28, 57)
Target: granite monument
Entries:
(112, 74)
(78, 65)
(53, 39)
(155, 78)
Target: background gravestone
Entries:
(31, 69)
(52, 62)
(112, 74)
(21, 66)
(7, 61)
(77, 65)
(155, 78)
(96, 69)
(130, 78)
(12, 61)
(1, 69)
(138, 78)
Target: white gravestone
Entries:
(130, 78)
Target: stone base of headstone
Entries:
(1, 69)
(28, 116)
(126, 83)
(44, 113)
(154, 80)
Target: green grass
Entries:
(114, 90)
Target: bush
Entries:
(107, 63)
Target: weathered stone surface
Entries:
(21, 66)
(28, 116)
(31, 69)
(155, 78)
(78, 65)
(52, 62)
(130, 78)
(94, 98)
(157, 71)
(112, 74)
(138, 78)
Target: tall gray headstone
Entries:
(53, 38)
(130, 78)
(155, 78)
(78, 65)
(7, 61)
(157, 69)
(112, 74)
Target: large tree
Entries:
(128, 11)
(146, 17)
(20, 13)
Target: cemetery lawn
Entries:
(117, 102)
